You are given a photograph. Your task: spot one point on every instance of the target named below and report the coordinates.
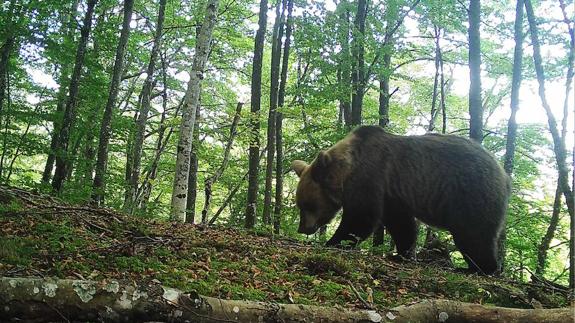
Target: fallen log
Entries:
(36, 299)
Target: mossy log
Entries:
(35, 300)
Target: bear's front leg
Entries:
(355, 226)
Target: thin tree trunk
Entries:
(203, 42)
(384, 94)
(144, 109)
(5, 52)
(558, 142)
(549, 234)
(209, 182)
(193, 173)
(512, 124)
(23, 139)
(193, 180)
(99, 185)
(63, 81)
(344, 64)
(475, 108)
(515, 86)
(233, 192)
(274, 84)
(568, 82)
(254, 164)
(71, 102)
(436, 80)
(151, 175)
(358, 74)
(279, 120)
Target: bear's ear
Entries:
(323, 159)
(321, 166)
(299, 166)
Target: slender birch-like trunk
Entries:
(203, 42)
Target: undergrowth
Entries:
(47, 238)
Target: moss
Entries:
(322, 263)
(16, 250)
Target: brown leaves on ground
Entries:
(41, 236)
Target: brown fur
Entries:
(445, 181)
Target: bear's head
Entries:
(320, 188)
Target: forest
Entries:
(151, 141)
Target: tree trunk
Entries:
(274, 84)
(203, 42)
(358, 73)
(436, 80)
(220, 171)
(515, 86)
(512, 124)
(384, 94)
(558, 142)
(193, 172)
(344, 65)
(99, 185)
(233, 192)
(549, 234)
(113, 301)
(63, 81)
(71, 102)
(279, 121)
(568, 81)
(384, 98)
(254, 162)
(144, 109)
(5, 52)
(192, 182)
(475, 107)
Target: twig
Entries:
(364, 302)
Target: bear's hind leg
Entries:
(403, 230)
(480, 253)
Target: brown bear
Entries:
(446, 181)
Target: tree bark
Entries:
(358, 73)
(254, 161)
(71, 102)
(558, 142)
(99, 185)
(549, 234)
(33, 299)
(63, 81)
(144, 109)
(515, 86)
(568, 82)
(344, 64)
(203, 43)
(279, 121)
(384, 94)
(436, 80)
(193, 173)
(220, 171)
(5, 52)
(511, 123)
(475, 107)
(274, 84)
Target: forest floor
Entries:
(41, 236)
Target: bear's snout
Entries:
(306, 229)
